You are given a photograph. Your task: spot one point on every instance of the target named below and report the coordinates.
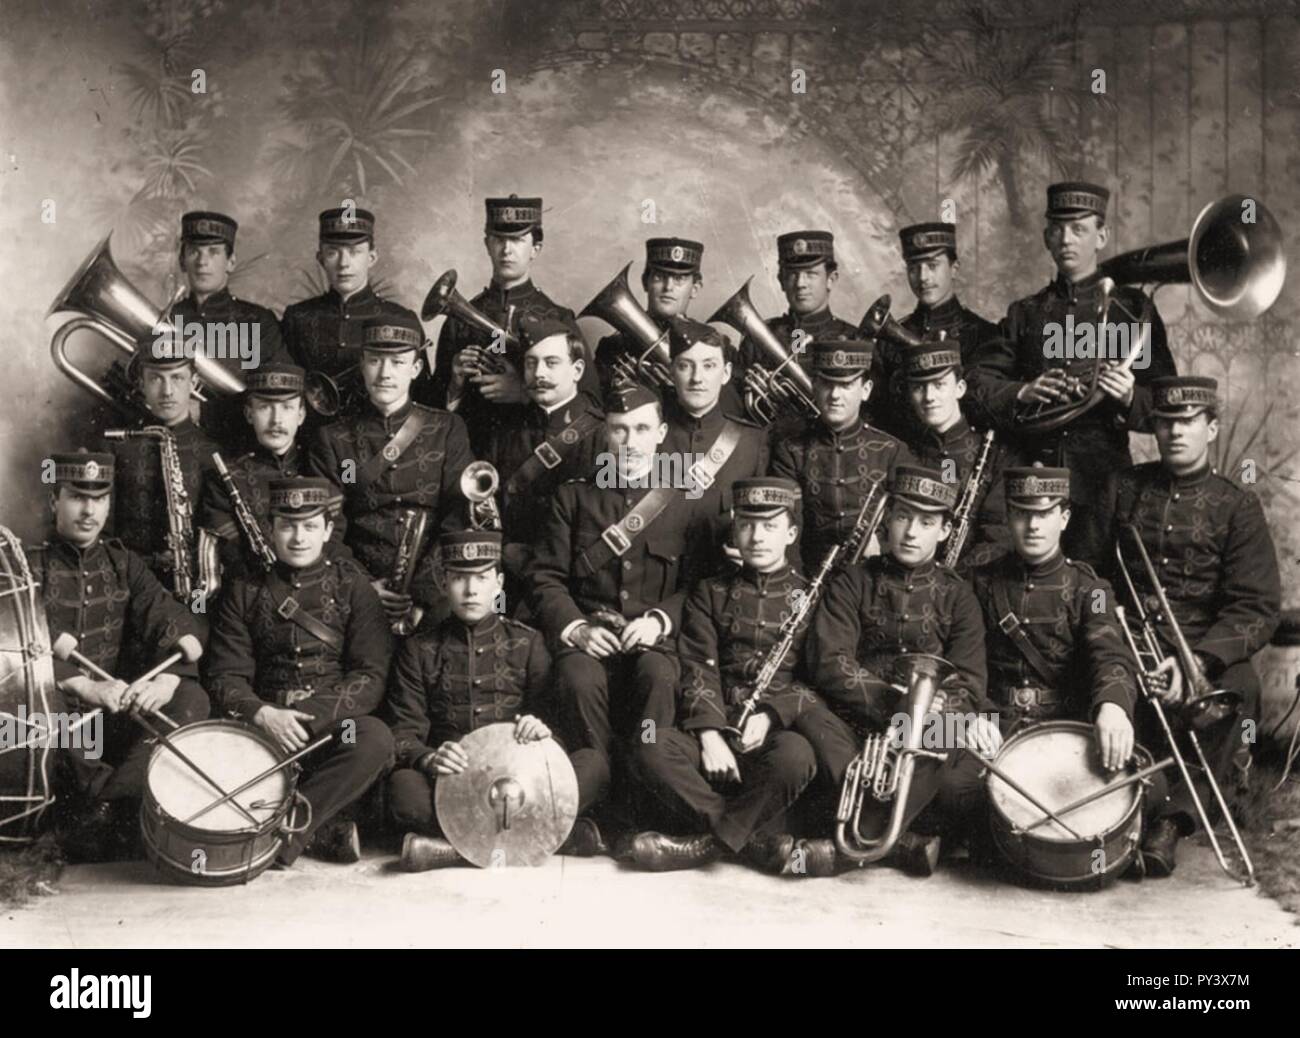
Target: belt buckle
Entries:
(547, 455)
(288, 608)
(616, 539)
(1009, 623)
(1024, 697)
(702, 477)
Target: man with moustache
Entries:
(392, 456)
(322, 334)
(303, 651)
(103, 594)
(1012, 372)
(558, 440)
(463, 380)
(207, 259)
(836, 458)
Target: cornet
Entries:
(478, 485)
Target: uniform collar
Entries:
(712, 418)
(81, 555)
(828, 435)
(1044, 568)
(893, 566)
(291, 573)
(764, 581)
(217, 300)
(557, 417)
(819, 319)
(943, 314)
(466, 631)
(366, 295)
(511, 296)
(959, 431)
(1192, 479)
(288, 461)
(397, 416)
(1064, 288)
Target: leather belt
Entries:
(1031, 697)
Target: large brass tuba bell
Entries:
(443, 298)
(785, 386)
(121, 313)
(615, 305)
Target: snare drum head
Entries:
(1057, 763)
(230, 754)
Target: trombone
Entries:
(1203, 706)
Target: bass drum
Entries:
(26, 689)
(1057, 763)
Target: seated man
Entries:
(303, 651)
(104, 595)
(729, 627)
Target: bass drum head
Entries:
(231, 753)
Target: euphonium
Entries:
(615, 305)
(883, 770)
(478, 484)
(786, 386)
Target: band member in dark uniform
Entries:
(1013, 370)
(207, 259)
(103, 594)
(303, 651)
(392, 456)
(838, 457)
(737, 796)
(463, 377)
(1214, 557)
(609, 576)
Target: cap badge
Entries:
(678, 254)
(91, 470)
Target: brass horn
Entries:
(328, 395)
(122, 314)
(444, 299)
(883, 770)
(878, 323)
(478, 485)
(615, 305)
(767, 392)
(1237, 268)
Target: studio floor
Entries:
(573, 902)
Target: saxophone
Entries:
(180, 512)
(414, 524)
(964, 514)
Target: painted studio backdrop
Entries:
(634, 118)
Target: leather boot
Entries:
(656, 852)
(421, 853)
(92, 834)
(916, 855)
(769, 852)
(584, 840)
(819, 857)
(1160, 847)
(337, 841)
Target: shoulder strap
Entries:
(287, 607)
(706, 470)
(552, 451)
(1011, 626)
(617, 539)
(392, 450)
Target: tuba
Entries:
(786, 386)
(444, 299)
(1236, 268)
(478, 484)
(615, 305)
(121, 313)
(883, 770)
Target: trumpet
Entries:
(615, 305)
(786, 387)
(478, 484)
(884, 768)
(443, 298)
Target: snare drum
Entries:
(193, 842)
(1057, 763)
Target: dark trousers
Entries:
(771, 779)
(410, 801)
(339, 772)
(118, 771)
(606, 704)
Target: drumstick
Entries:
(1097, 794)
(258, 778)
(188, 649)
(1026, 794)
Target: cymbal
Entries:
(515, 803)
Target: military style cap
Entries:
(930, 360)
(90, 473)
(805, 248)
(676, 255)
(533, 329)
(683, 333)
(301, 497)
(513, 216)
(922, 240)
(765, 496)
(841, 360)
(626, 396)
(345, 226)
(923, 488)
(1071, 199)
(470, 551)
(1037, 488)
(161, 347)
(276, 381)
(205, 228)
(1181, 396)
(393, 334)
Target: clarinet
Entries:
(180, 513)
(257, 542)
(964, 514)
